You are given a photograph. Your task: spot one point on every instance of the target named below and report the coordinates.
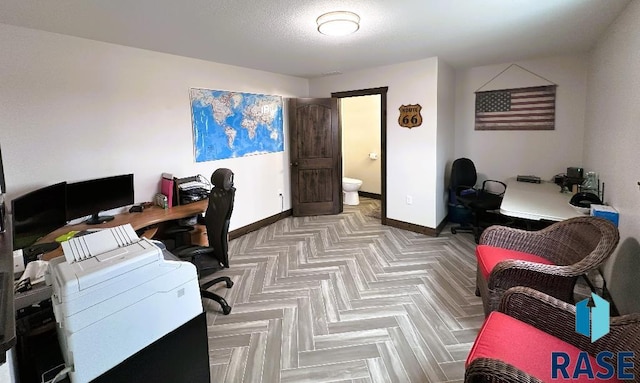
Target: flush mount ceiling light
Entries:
(339, 23)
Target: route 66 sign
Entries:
(410, 116)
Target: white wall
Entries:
(612, 145)
(360, 117)
(411, 153)
(503, 154)
(445, 137)
(73, 109)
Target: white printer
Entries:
(113, 295)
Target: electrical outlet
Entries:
(409, 200)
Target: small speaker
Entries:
(575, 172)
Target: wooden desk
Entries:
(149, 216)
(536, 202)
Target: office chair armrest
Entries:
(192, 252)
(460, 190)
(178, 229)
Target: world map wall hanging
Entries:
(234, 124)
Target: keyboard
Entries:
(87, 246)
(530, 179)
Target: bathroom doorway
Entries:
(363, 131)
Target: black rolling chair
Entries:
(215, 256)
(478, 201)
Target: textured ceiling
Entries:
(280, 36)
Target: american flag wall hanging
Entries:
(532, 108)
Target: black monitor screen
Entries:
(93, 196)
(38, 213)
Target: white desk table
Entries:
(536, 202)
(544, 201)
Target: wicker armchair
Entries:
(556, 318)
(572, 247)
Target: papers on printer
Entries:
(114, 294)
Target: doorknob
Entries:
(295, 163)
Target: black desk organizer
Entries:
(184, 197)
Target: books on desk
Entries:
(166, 188)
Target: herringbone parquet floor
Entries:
(345, 299)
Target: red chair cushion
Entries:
(490, 256)
(526, 348)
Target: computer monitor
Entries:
(37, 214)
(93, 196)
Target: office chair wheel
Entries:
(226, 309)
(453, 230)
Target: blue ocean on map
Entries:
(218, 118)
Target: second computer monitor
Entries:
(93, 196)
(38, 213)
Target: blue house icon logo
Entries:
(592, 317)
(592, 320)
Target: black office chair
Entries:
(478, 201)
(215, 256)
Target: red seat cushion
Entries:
(490, 256)
(526, 348)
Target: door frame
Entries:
(382, 91)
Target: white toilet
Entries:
(350, 187)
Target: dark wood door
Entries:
(316, 171)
